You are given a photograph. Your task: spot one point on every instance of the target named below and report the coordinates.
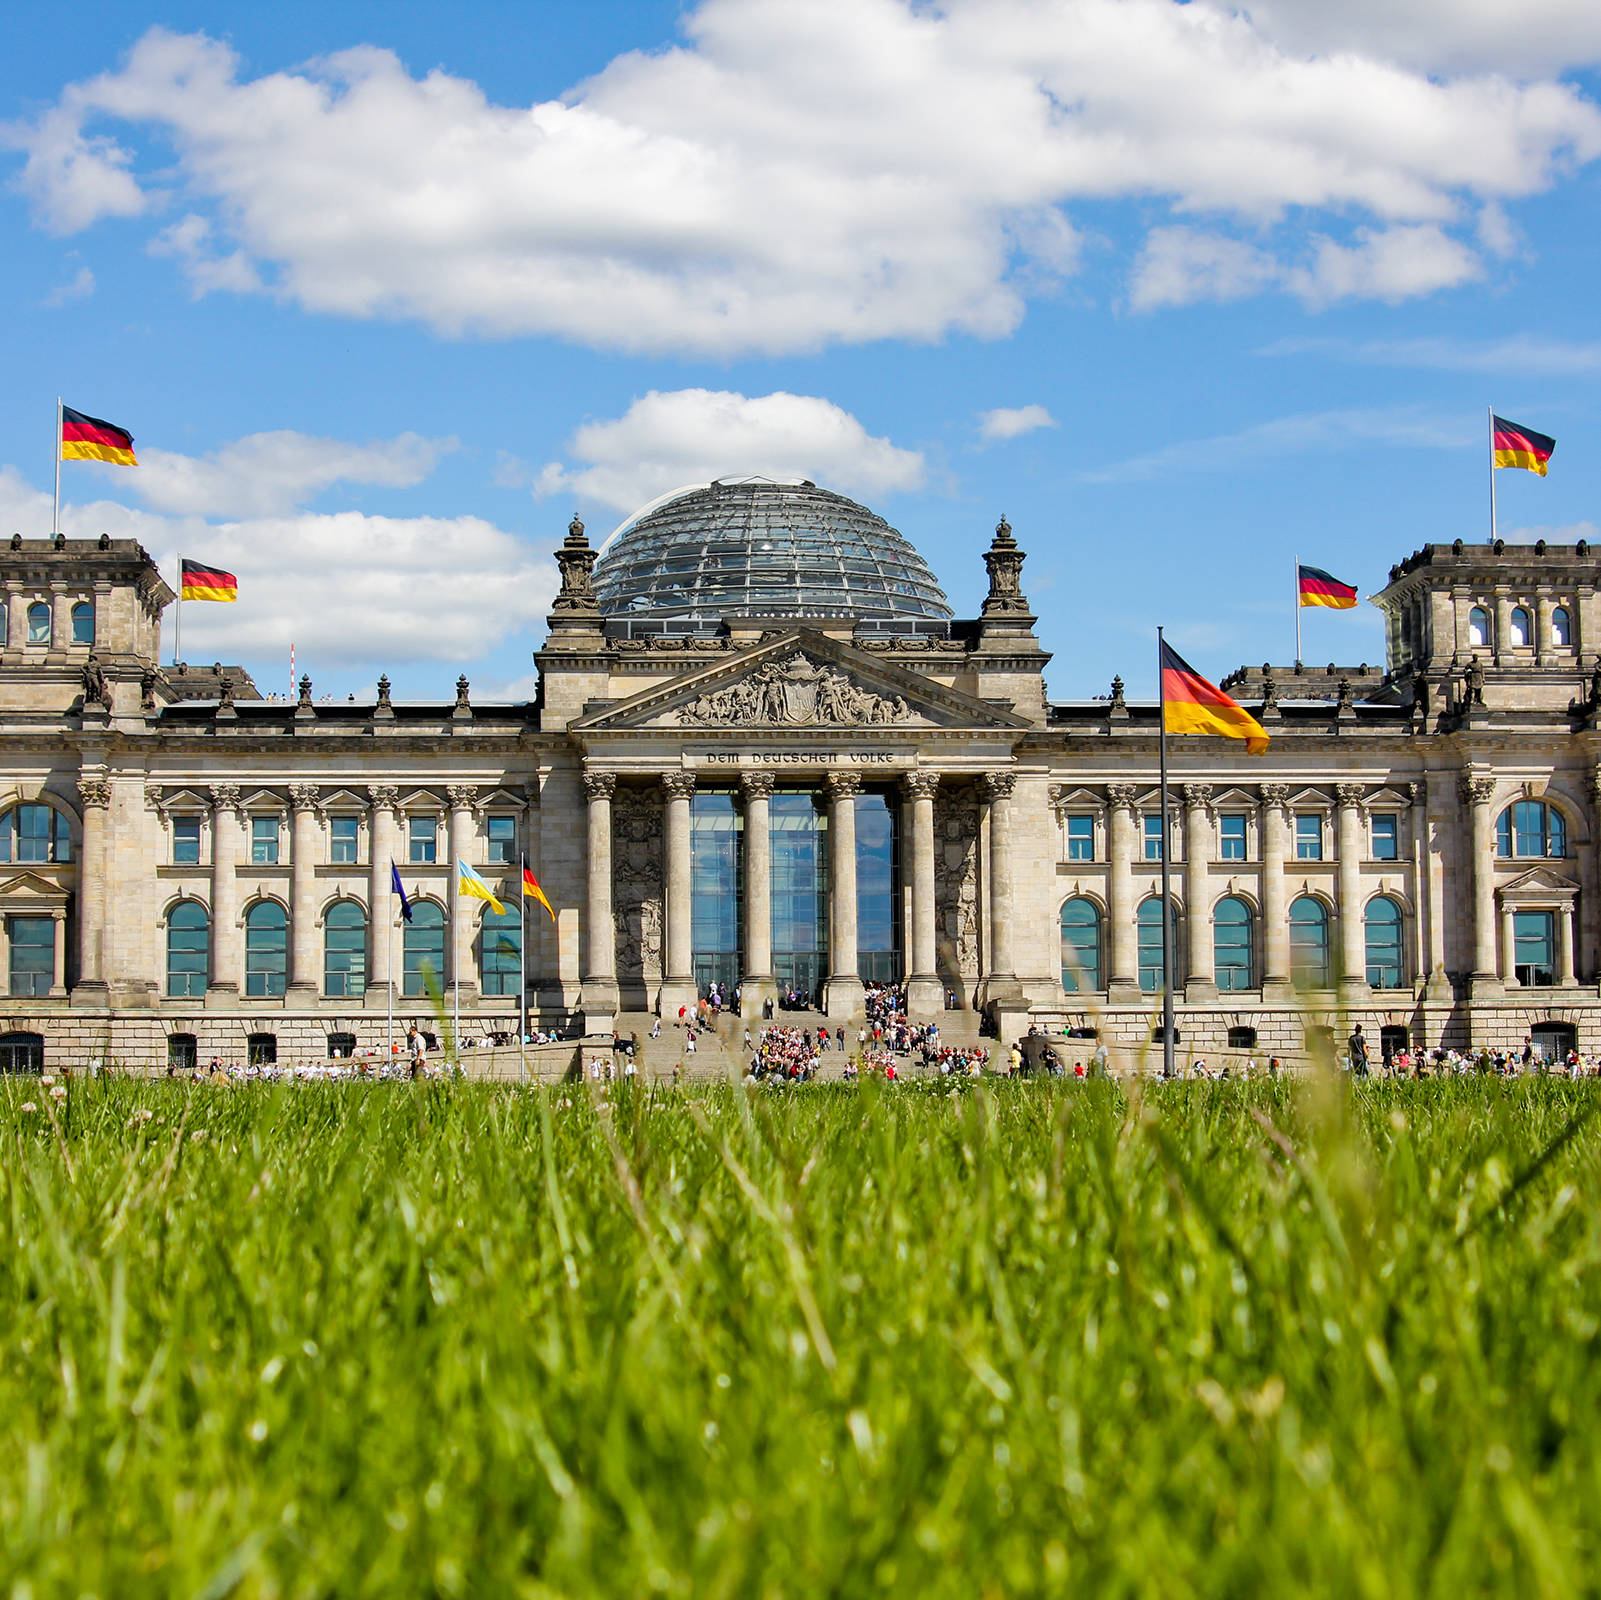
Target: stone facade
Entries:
(1417, 849)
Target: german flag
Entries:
(207, 583)
(1192, 705)
(1320, 588)
(532, 891)
(1512, 446)
(89, 439)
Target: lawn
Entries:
(394, 1339)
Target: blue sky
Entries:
(386, 292)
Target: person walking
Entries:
(1357, 1046)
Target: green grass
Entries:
(449, 1339)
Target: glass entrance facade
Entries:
(799, 833)
(716, 889)
(878, 927)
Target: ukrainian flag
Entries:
(468, 882)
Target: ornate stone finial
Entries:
(998, 785)
(1005, 564)
(16, 541)
(577, 562)
(96, 690)
(1270, 689)
(1344, 697)
(225, 699)
(305, 690)
(1118, 702)
(462, 703)
(757, 785)
(383, 689)
(60, 541)
(105, 541)
(921, 785)
(94, 792)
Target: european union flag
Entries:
(397, 888)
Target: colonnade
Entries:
(842, 989)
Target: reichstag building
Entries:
(763, 752)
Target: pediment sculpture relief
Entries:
(793, 692)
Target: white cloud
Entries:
(1386, 264)
(793, 175)
(1295, 435)
(266, 473)
(1009, 422)
(1179, 266)
(348, 589)
(665, 440)
(78, 287)
(1522, 353)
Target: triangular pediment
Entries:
(1537, 881)
(800, 680)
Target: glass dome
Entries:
(762, 547)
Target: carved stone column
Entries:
(1001, 988)
(382, 907)
(463, 909)
(843, 995)
(1275, 907)
(91, 988)
(1477, 792)
(1200, 981)
(303, 974)
(925, 994)
(1123, 978)
(227, 945)
(1353, 980)
(678, 955)
(757, 984)
(1509, 948)
(600, 933)
(1434, 821)
(1565, 944)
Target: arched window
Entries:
(38, 623)
(35, 833)
(188, 949)
(1309, 943)
(1232, 945)
(423, 948)
(1081, 946)
(266, 950)
(500, 943)
(344, 960)
(83, 622)
(1531, 828)
(1522, 628)
(1561, 626)
(1148, 930)
(1478, 626)
(1386, 968)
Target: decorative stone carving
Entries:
(1118, 702)
(794, 692)
(305, 690)
(1477, 790)
(1274, 795)
(956, 884)
(462, 702)
(637, 885)
(921, 785)
(305, 797)
(1198, 795)
(147, 689)
(577, 561)
(96, 689)
(1473, 684)
(383, 689)
(461, 795)
(599, 785)
(1005, 563)
(94, 792)
(998, 785)
(1270, 689)
(842, 785)
(225, 797)
(679, 785)
(1350, 794)
(757, 785)
(384, 796)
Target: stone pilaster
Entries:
(1353, 981)
(600, 934)
(843, 995)
(304, 978)
(1002, 991)
(227, 943)
(1434, 820)
(1123, 977)
(1275, 832)
(1478, 790)
(757, 984)
(463, 909)
(382, 908)
(1200, 981)
(678, 957)
(925, 994)
(91, 988)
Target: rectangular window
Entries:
(1231, 837)
(1153, 840)
(1081, 838)
(263, 841)
(186, 841)
(424, 835)
(1533, 946)
(344, 838)
(33, 955)
(1308, 836)
(1386, 838)
(502, 833)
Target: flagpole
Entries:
(1297, 561)
(1167, 876)
(522, 971)
(55, 517)
(389, 996)
(1492, 475)
(177, 628)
